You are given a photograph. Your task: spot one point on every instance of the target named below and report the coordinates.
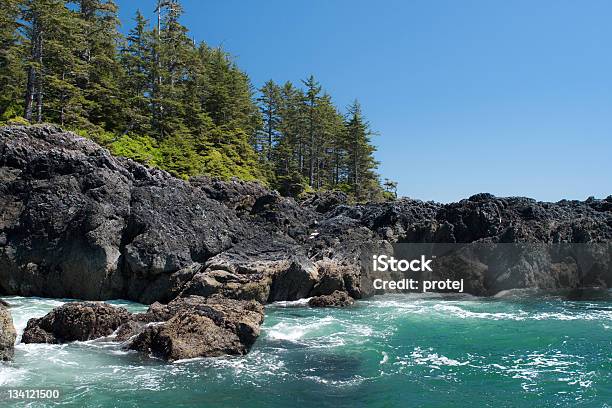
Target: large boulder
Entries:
(77, 321)
(199, 327)
(7, 333)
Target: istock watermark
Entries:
(386, 263)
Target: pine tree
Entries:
(174, 55)
(157, 98)
(330, 155)
(390, 188)
(97, 50)
(269, 104)
(362, 176)
(12, 74)
(288, 152)
(52, 33)
(135, 57)
(228, 97)
(313, 90)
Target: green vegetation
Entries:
(157, 97)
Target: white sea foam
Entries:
(384, 359)
(291, 303)
(292, 332)
(353, 381)
(315, 332)
(434, 360)
(457, 311)
(10, 375)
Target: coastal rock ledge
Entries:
(77, 222)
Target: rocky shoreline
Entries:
(79, 223)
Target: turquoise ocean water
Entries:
(389, 351)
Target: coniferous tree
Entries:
(52, 33)
(270, 106)
(228, 97)
(288, 152)
(135, 57)
(97, 50)
(293, 129)
(362, 177)
(312, 93)
(173, 51)
(331, 156)
(158, 98)
(11, 70)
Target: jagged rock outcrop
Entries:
(187, 327)
(78, 222)
(8, 335)
(326, 201)
(336, 299)
(78, 321)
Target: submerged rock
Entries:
(336, 299)
(77, 321)
(8, 335)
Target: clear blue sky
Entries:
(507, 97)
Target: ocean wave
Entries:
(11, 375)
(327, 331)
(433, 360)
(353, 381)
(293, 331)
(291, 303)
(396, 307)
(457, 311)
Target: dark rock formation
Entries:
(187, 327)
(77, 321)
(336, 299)
(199, 327)
(8, 335)
(78, 222)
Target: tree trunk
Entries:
(270, 130)
(29, 97)
(63, 101)
(311, 162)
(356, 172)
(39, 94)
(33, 72)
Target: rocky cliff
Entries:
(77, 222)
